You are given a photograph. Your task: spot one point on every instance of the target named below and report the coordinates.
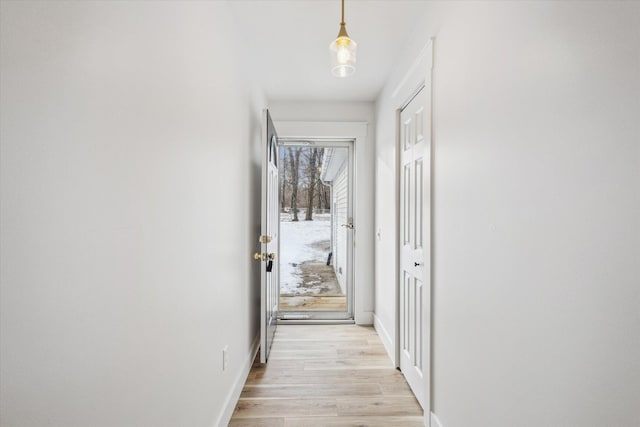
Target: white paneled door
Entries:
(269, 242)
(415, 243)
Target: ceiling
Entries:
(288, 43)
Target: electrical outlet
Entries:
(225, 357)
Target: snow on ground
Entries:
(301, 241)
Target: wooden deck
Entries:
(313, 303)
(324, 376)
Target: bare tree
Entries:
(319, 184)
(294, 163)
(312, 176)
(283, 179)
(323, 195)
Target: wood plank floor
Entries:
(326, 376)
(313, 303)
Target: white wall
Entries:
(536, 291)
(125, 252)
(292, 111)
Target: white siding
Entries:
(340, 204)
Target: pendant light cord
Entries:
(342, 22)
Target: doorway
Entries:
(414, 234)
(316, 229)
(414, 243)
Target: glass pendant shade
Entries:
(343, 52)
(343, 56)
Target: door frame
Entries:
(417, 77)
(362, 237)
(347, 316)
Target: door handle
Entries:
(263, 257)
(349, 226)
(417, 264)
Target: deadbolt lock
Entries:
(264, 239)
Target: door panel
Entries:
(415, 220)
(269, 239)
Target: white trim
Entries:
(416, 73)
(310, 130)
(356, 131)
(386, 339)
(364, 317)
(238, 385)
(424, 54)
(435, 422)
(418, 76)
(315, 322)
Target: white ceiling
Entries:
(288, 42)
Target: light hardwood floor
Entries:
(326, 376)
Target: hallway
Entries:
(133, 136)
(326, 375)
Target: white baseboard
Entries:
(364, 318)
(238, 385)
(435, 422)
(387, 341)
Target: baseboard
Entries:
(435, 422)
(364, 318)
(386, 339)
(238, 385)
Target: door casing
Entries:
(415, 219)
(363, 233)
(417, 77)
(315, 316)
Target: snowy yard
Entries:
(302, 242)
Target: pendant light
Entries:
(343, 52)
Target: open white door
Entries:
(269, 242)
(415, 244)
